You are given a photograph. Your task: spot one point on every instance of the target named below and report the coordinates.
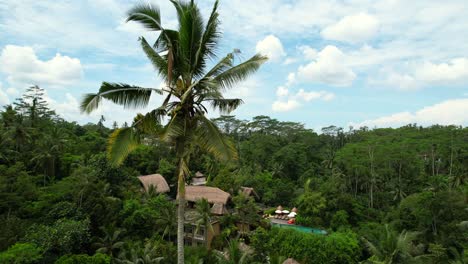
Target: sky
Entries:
(348, 63)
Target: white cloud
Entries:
(449, 112)
(312, 95)
(420, 75)
(454, 71)
(271, 46)
(283, 106)
(3, 96)
(291, 79)
(282, 91)
(289, 60)
(353, 28)
(21, 65)
(329, 68)
(308, 52)
(12, 91)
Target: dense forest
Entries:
(383, 195)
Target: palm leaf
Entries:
(146, 14)
(226, 106)
(121, 142)
(211, 140)
(159, 63)
(129, 96)
(240, 72)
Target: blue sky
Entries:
(358, 62)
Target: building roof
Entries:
(290, 261)
(199, 174)
(219, 209)
(155, 180)
(248, 191)
(212, 194)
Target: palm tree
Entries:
(110, 243)
(393, 247)
(234, 254)
(180, 57)
(203, 209)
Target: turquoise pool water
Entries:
(301, 228)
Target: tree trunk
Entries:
(180, 225)
(180, 202)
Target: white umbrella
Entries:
(285, 212)
(292, 215)
(278, 211)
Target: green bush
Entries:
(337, 247)
(98, 258)
(21, 253)
(64, 236)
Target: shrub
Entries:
(98, 258)
(21, 253)
(337, 247)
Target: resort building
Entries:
(200, 235)
(155, 181)
(198, 179)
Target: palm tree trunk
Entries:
(180, 223)
(180, 204)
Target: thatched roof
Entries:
(248, 191)
(291, 261)
(155, 180)
(294, 210)
(199, 174)
(219, 209)
(212, 194)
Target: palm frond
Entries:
(146, 14)
(173, 129)
(209, 41)
(226, 106)
(129, 96)
(159, 63)
(121, 142)
(211, 140)
(240, 72)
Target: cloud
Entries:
(455, 70)
(271, 46)
(283, 106)
(352, 29)
(313, 95)
(22, 66)
(420, 75)
(308, 52)
(328, 68)
(3, 97)
(449, 112)
(282, 91)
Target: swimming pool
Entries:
(301, 228)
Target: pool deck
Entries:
(279, 221)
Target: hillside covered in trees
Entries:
(383, 195)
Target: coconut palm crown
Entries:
(180, 57)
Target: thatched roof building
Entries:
(198, 179)
(219, 209)
(156, 180)
(212, 194)
(249, 191)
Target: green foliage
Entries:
(339, 220)
(64, 236)
(308, 248)
(21, 253)
(98, 258)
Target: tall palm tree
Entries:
(180, 56)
